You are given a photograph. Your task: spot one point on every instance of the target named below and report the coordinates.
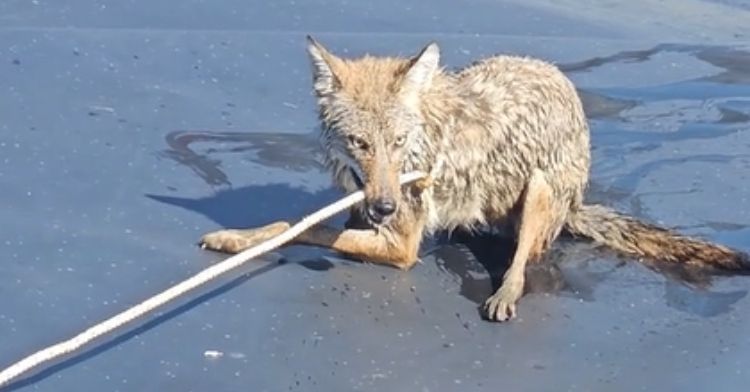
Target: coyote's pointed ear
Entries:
(421, 69)
(324, 66)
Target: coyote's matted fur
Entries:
(506, 143)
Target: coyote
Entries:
(506, 143)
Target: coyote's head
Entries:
(371, 118)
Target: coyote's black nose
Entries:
(380, 209)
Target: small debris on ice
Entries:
(213, 354)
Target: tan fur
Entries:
(506, 143)
(370, 82)
(537, 221)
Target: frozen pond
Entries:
(128, 129)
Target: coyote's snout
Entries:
(505, 141)
(375, 167)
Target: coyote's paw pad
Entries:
(501, 306)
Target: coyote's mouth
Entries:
(378, 214)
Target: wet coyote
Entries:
(506, 143)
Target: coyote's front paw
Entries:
(501, 306)
(235, 241)
(228, 241)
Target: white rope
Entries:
(56, 351)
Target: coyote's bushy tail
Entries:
(633, 237)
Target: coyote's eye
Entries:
(400, 140)
(358, 142)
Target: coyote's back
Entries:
(504, 119)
